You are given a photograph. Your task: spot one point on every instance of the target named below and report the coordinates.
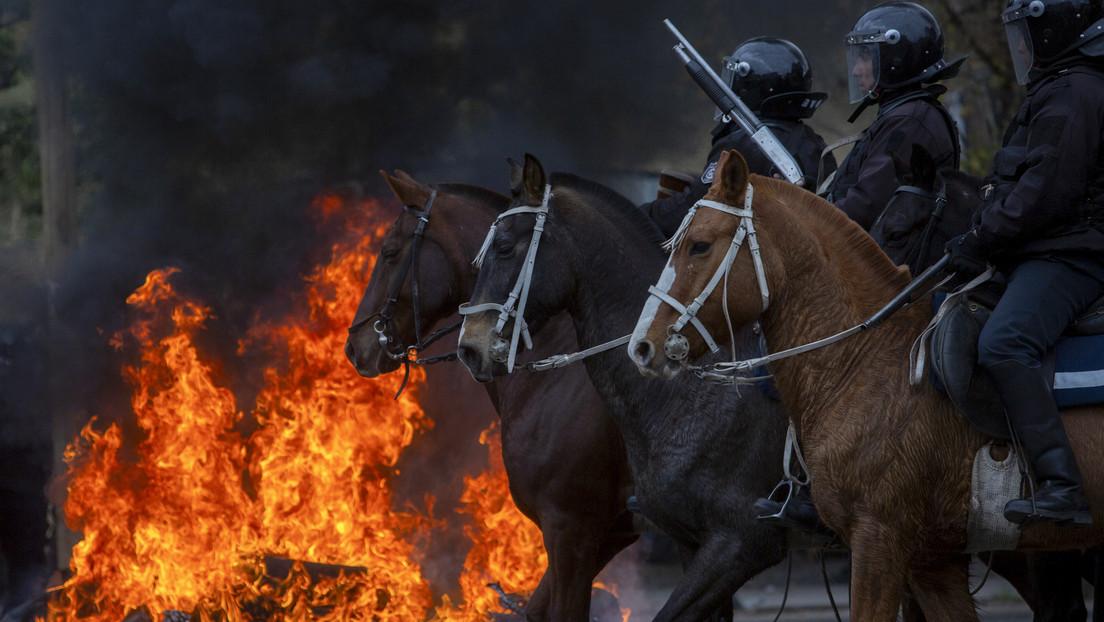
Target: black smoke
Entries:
(205, 127)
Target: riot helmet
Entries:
(772, 76)
(894, 46)
(1043, 32)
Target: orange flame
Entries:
(185, 520)
(507, 548)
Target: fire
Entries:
(186, 522)
(193, 513)
(168, 526)
(507, 547)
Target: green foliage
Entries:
(20, 172)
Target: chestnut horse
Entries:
(563, 454)
(890, 462)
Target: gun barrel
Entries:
(722, 95)
(688, 52)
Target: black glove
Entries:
(968, 256)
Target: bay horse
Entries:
(890, 462)
(700, 454)
(563, 455)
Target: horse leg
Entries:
(536, 610)
(573, 552)
(1050, 583)
(718, 568)
(943, 590)
(878, 574)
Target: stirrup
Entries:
(791, 487)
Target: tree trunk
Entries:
(59, 219)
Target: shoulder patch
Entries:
(710, 172)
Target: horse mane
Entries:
(620, 206)
(829, 223)
(476, 193)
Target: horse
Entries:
(700, 454)
(563, 455)
(890, 462)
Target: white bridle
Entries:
(677, 347)
(514, 307)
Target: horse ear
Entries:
(533, 180)
(517, 177)
(408, 190)
(732, 173)
(923, 167)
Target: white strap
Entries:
(919, 352)
(514, 211)
(526, 279)
(793, 450)
(749, 364)
(563, 360)
(665, 297)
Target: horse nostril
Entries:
(644, 352)
(468, 356)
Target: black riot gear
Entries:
(1043, 32)
(772, 76)
(894, 46)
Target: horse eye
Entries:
(700, 248)
(390, 253)
(504, 247)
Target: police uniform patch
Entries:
(710, 171)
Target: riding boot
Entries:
(799, 513)
(1029, 404)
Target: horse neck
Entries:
(835, 278)
(612, 266)
(463, 224)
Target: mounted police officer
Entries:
(772, 76)
(1042, 226)
(894, 60)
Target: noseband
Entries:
(514, 307)
(677, 347)
(383, 320)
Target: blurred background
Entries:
(194, 133)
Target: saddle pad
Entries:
(1079, 371)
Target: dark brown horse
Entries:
(890, 462)
(700, 453)
(562, 452)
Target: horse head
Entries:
(723, 270)
(422, 271)
(516, 286)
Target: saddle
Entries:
(1075, 367)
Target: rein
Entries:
(383, 320)
(726, 373)
(677, 347)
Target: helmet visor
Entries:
(1023, 52)
(863, 68)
